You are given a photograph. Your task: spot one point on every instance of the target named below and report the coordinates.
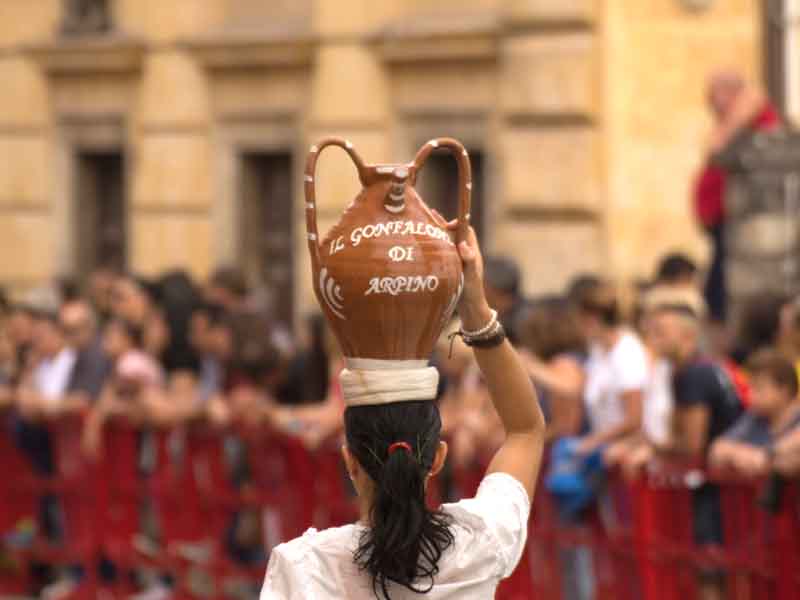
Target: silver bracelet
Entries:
(483, 330)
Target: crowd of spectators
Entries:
(633, 382)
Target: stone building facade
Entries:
(168, 134)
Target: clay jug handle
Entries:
(310, 190)
(464, 178)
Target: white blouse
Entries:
(490, 531)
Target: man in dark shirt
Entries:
(92, 365)
(706, 399)
(706, 405)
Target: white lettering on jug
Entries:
(398, 228)
(337, 245)
(399, 253)
(402, 285)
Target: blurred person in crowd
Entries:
(92, 365)
(551, 347)
(676, 270)
(788, 338)
(41, 396)
(554, 353)
(67, 289)
(632, 453)
(320, 420)
(315, 365)
(255, 369)
(135, 388)
(178, 298)
(658, 407)
(21, 322)
(5, 303)
(616, 375)
(749, 446)
(706, 398)
(7, 368)
(212, 341)
(504, 291)
(760, 325)
(100, 290)
(456, 368)
(739, 110)
(227, 287)
(42, 391)
(136, 301)
(579, 285)
(786, 458)
(706, 405)
(616, 369)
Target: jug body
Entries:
(388, 275)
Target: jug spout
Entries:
(395, 201)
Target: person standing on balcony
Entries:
(738, 110)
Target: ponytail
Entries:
(405, 539)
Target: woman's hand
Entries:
(473, 307)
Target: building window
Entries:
(267, 239)
(101, 211)
(438, 185)
(86, 16)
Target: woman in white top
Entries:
(400, 548)
(616, 372)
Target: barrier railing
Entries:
(170, 501)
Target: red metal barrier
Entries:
(640, 536)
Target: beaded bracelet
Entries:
(483, 330)
(491, 337)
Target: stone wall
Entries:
(657, 58)
(590, 115)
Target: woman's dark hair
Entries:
(254, 353)
(759, 324)
(317, 367)
(777, 367)
(549, 329)
(133, 331)
(600, 300)
(179, 298)
(405, 539)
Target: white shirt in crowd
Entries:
(490, 531)
(51, 376)
(658, 403)
(610, 374)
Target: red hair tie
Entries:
(404, 445)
